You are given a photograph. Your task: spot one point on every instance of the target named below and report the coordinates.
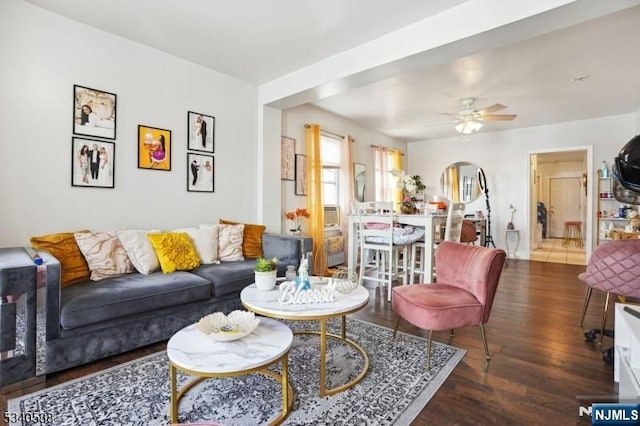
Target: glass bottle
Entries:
(604, 170)
(290, 275)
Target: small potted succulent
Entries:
(265, 271)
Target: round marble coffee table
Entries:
(266, 303)
(194, 353)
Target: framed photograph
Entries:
(201, 131)
(92, 163)
(287, 155)
(94, 113)
(301, 174)
(154, 148)
(199, 172)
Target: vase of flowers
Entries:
(296, 216)
(513, 210)
(408, 205)
(266, 270)
(410, 185)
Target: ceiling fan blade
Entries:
(492, 108)
(498, 117)
(451, 114)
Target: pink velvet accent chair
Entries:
(467, 279)
(614, 267)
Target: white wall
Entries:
(43, 55)
(293, 121)
(504, 158)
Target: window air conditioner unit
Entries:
(331, 216)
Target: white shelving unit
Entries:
(608, 208)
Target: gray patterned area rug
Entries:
(395, 390)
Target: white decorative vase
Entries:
(266, 280)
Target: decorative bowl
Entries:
(345, 280)
(223, 328)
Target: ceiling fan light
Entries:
(468, 126)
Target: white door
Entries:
(564, 203)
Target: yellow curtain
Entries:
(453, 180)
(347, 194)
(397, 192)
(314, 199)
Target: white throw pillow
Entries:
(205, 240)
(139, 250)
(230, 242)
(104, 254)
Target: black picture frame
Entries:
(195, 132)
(94, 113)
(301, 175)
(200, 172)
(85, 172)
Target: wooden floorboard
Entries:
(540, 361)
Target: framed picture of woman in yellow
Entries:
(154, 148)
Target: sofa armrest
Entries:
(287, 248)
(52, 291)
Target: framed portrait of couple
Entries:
(199, 172)
(92, 163)
(201, 132)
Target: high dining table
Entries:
(430, 222)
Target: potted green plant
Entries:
(265, 271)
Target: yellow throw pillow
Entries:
(63, 246)
(175, 251)
(251, 239)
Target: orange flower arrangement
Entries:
(295, 217)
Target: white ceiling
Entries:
(259, 41)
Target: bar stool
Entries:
(572, 232)
(453, 231)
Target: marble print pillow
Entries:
(230, 242)
(104, 254)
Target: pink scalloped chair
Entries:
(468, 277)
(614, 267)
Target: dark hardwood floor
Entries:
(539, 363)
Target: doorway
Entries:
(564, 203)
(558, 193)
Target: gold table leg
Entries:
(283, 378)
(323, 357)
(173, 408)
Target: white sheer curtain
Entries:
(385, 174)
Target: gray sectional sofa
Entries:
(96, 319)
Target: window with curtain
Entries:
(387, 171)
(330, 155)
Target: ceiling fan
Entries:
(470, 120)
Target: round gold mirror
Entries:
(459, 182)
